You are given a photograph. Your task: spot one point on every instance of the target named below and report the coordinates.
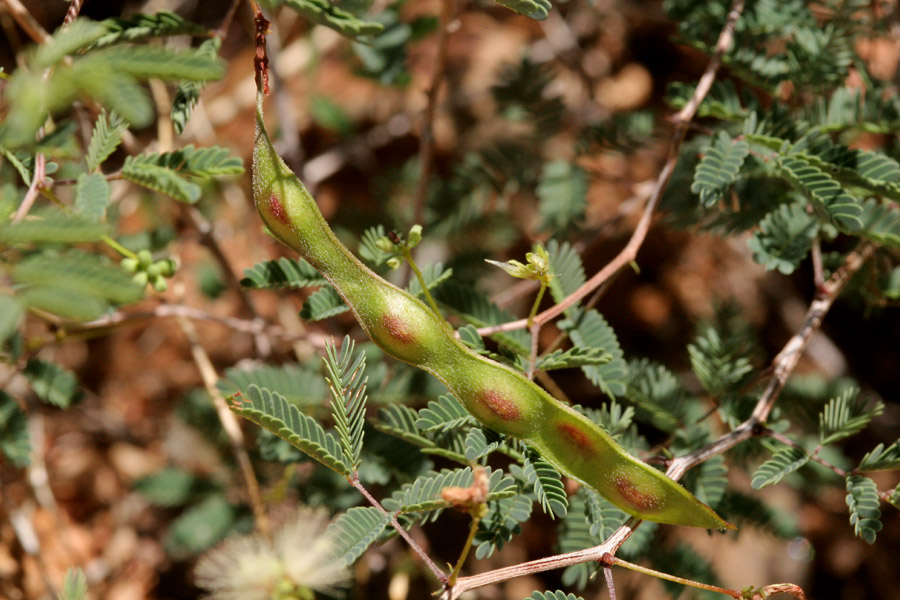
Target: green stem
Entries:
(118, 247)
(537, 303)
(412, 264)
(477, 514)
(610, 559)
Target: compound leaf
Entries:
(784, 238)
(355, 530)
(785, 461)
(863, 503)
(718, 169)
(272, 412)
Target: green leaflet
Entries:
(271, 411)
(281, 273)
(424, 494)
(845, 415)
(92, 196)
(784, 238)
(863, 504)
(356, 530)
(718, 169)
(105, 138)
(52, 383)
(826, 194)
(785, 461)
(330, 15)
(15, 442)
(52, 226)
(534, 9)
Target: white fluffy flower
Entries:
(250, 567)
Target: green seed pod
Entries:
(141, 278)
(499, 397)
(167, 267)
(154, 270)
(145, 258)
(160, 284)
(129, 264)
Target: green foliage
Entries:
(718, 169)
(280, 274)
(576, 533)
(105, 138)
(92, 196)
(522, 94)
(711, 481)
(141, 26)
(534, 9)
(588, 329)
(881, 222)
(501, 524)
(785, 461)
(477, 444)
(476, 309)
(80, 273)
(881, 459)
(52, 226)
(548, 485)
(298, 384)
(345, 373)
(201, 526)
(15, 443)
(272, 412)
(557, 595)
(323, 12)
(444, 414)
(863, 501)
(657, 394)
(11, 313)
(322, 304)
(826, 194)
(844, 416)
(562, 191)
(188, 92)
(573, 357)
(172, 486)
(175, 173)
(433, 274)
(784, 238)
(52, 383)
(719, 362)
(355, 530)
(74, 586)
(424, 494)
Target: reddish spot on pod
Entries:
(500, 405)
(576, 438)
(398, 329)
(630, 492)
(277, 209)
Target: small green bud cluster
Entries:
(146, 270)
(536, 269)
(397, 247)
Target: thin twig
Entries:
(72, 13)
(426, 139)
(229, 424)
(37, 180)
(208, 239)
(609, 559)
(782, 365)
(682, 124)
(814, 455)
(27, 22)
(438, 573)
(254, 326)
